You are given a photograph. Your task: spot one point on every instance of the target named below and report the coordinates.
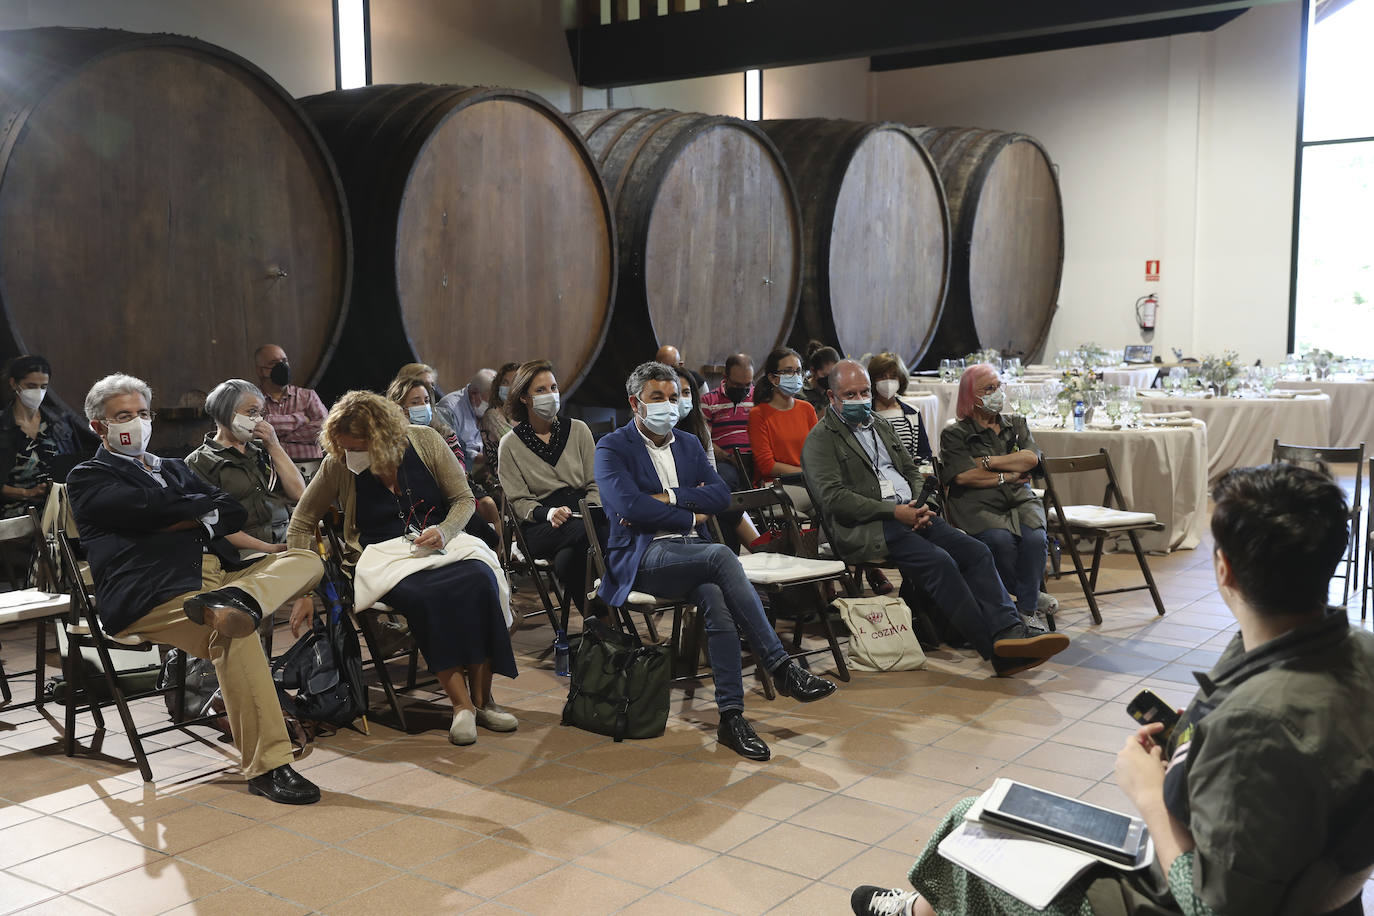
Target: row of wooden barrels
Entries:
(165, 206)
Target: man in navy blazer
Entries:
(155, 535)
(658, 490)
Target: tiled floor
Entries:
(551, 819)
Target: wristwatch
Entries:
(1001, 478)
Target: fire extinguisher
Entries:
(1145, 309)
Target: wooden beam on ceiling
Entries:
(776, 33)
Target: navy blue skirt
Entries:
(454, 613)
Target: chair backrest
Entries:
(1112, 497)
(593, 517)
(773, 503)
(818, 514)
(737, 459)
(1319, 458)
(515, 531)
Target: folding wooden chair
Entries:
(774, 574)
(83, 632)
(382, 647)
(1317, 458)
(37, 605)
(1111, 518)
(685, 646)
(539, 571)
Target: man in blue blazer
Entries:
(658, 490)
(154, 533)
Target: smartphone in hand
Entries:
(1147, 707)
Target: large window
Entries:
(1333, 290)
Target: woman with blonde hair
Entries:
(399, 480)
(417, 398)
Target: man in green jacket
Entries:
(868, 487)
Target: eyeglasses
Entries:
(254, 413)
(787, 372)
(125, 416)
(413, 531)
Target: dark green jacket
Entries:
(840, 476)
(250, 478)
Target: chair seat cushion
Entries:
(781, 569)
(642, 599)
(13, 529)
(31, 604)
(1102, 517)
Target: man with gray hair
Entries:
(463, 410)
(659, 490)
(155, 535)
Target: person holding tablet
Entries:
(1261, 801)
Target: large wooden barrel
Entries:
(482, 230)
(710, 239)
(164, 209)
(876, 231)
(1008, 232)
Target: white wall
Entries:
(1178, 149)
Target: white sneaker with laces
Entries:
(870, 900)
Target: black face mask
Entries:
(736, 393)
(281, 374)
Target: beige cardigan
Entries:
(334, 483)
(527, 480)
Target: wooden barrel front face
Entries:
(721, 257)
(504, 246)
(710, 239)
(1008, 221)
(163, 211)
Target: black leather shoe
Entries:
(794, 681)
(285, 786)
(738, 735)
(230, 612)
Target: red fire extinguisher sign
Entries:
(1151, 271)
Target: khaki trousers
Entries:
(250, 698)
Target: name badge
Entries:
(886, 488)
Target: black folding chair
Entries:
(1113, 517)
(539, 571)
(37, 605)
(84, 632)
(781, 577)
(1318, 458)
(385, 641)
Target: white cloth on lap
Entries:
(383, 565)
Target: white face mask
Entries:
(129, 438)
(242, 426)
(32, 397)
(887, 388)
(357, 462)
(546, 405)
(480, 409)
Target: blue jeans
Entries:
(709, 575)
(1020, 561)
(958, 573)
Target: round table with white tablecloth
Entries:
(1241, 431)
(928, 405)
(1159, 469)
(946, 392)
(1352, 408)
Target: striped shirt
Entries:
(297, 418)
(729, 421)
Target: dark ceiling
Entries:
(895, 34)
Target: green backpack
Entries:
(619, 685)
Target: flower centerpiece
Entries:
(1078, 383)
(1220, 371)
(1322, 361)
(1091, 355)
(987, 355)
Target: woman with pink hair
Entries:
(986, 458)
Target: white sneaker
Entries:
(870, 900)
(494, 718)
(1046, 602)
(463, 731)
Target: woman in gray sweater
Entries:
(546, 466)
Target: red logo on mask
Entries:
(126, 439)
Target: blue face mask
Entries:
(503, 392)
(660, 417)
(684, 407)
(790, 383)
(421, 415)
(856, 412)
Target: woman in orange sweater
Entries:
(779, 424)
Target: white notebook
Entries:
(1030, 870)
